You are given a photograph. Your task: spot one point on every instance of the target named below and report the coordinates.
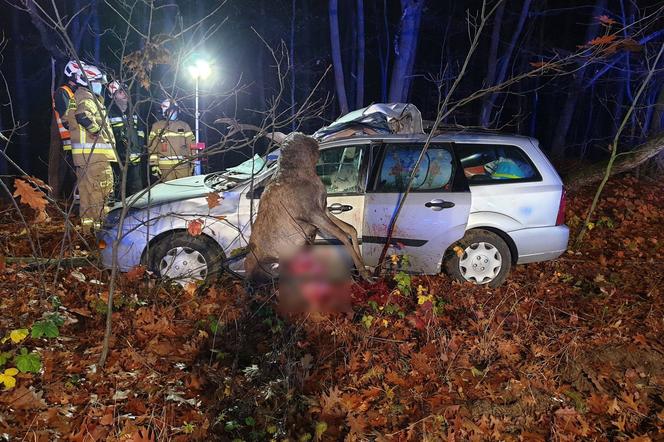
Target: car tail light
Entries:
(560, 219)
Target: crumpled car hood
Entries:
(175, 190)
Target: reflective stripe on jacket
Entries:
(90, 129)
(169, 139)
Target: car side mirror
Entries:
(255, 193)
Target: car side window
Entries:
(339, 169)
(495, 163)
(435, 171)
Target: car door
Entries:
(434, 214)
(342, 169)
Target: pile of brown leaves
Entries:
(565, 350)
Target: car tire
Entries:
(483, 258)
(197, 258)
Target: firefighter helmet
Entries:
(72, 69)
(92, 73)
(115, 86)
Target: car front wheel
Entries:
(481, 257)
(185, 259)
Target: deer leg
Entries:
(323, 222)
(348, 229)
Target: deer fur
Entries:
(293, 208)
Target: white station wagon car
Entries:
(480, 203)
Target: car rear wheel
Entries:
(185, 259)
(481, 257)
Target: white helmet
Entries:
(72, 69)
(169, 108)
(93, 73)
(115, 86)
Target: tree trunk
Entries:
(359, 78)
(656, 123)
(384, 54)
(567, 111)
(20, 98)
(492, 61)
(260, 82)
(487, 107)
(409, 30)
(291, 56)
(624, 163)
(336, 57)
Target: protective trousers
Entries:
(95, 186)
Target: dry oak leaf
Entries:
(136, 273)
(357, 425)
(213, 199)
(195, 227)
(331, 402)
(23, 398)
(602, 40)
(29, 195)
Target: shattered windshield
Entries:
(232, 176)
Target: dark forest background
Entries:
(417, 44)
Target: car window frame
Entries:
(458, 180)
(362, 172)
(535, 179)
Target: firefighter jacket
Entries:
(91, 134)
(129, 140)
(170, 142)
(64, 103)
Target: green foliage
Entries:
(4, 357)
(27, 362)
(367, 320)
(188, 428)
(48, 327)
(250, 421)
(403, 281)
(321, 428)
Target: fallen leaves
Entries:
(490, 364)
(213, 200)
(8, 378)
(195, 227)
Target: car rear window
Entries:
(495, 163)
(434, 172)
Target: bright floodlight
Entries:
(200, 69)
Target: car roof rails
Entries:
(457, 128)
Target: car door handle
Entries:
(437, 205)
(337, 208)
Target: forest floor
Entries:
(565, 350)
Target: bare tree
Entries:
(409, 32)
(336, 57)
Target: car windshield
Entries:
(232, 176)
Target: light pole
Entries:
(199, 69)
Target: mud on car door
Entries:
(434, 215)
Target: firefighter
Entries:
(170, 141)
(129, 141)
(93, 146)
(63, 103)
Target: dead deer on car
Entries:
(293, 208)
